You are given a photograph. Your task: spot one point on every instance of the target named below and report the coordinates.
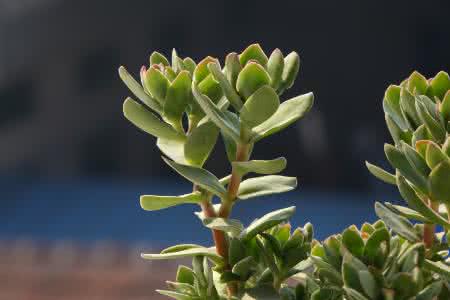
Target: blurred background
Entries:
(72, 168)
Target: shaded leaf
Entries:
(397, 223)
(260, 106)
(200, 142)
(380, 173)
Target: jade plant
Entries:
(187, 106)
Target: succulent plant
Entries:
(241, 101)
(187, 106)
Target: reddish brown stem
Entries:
(429, 229)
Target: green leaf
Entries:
(177, 63)
(147, 121)
(407, 105)
(445, 107)
(222, 120)
(266, 222)
(434, 155)
(227, 89)
(157, 84)
(199, 176)
(253, 52)
(354, 294)
(288, 112)
(327, 270)
(202, 71)
(177, 295)
(440, 182)
(200, 142)
(152, 202)
(260, 106)
(430, 292)
(251, 78)
(244, 267)
(438, 267)
(369, 284)
(373, 243)
(236, 251)
(173, 149)
(266, 167)
(177, 98)
(232, 68)
(417, 83)
(380, 173)
(290, 71)
(391, 106)
(406, 212)
(397, 223)
(275, 67)
(189, 65)
(183, 288)
(180, 247)
(415, 159)
(157, 58)
(185, 275)
(266, 185)
(234, 227)
(433, 126)
(352, 240)
(416, 203)
(138, 91)
(208, 252)
(399, 161)
(440, 84)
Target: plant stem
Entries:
(430, 229)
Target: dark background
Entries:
(72, 167)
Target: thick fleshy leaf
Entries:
(396, 132)
(369, 284)
(391, 106)
(417, 83)
(266, 222)
(153, 202)
(440, 84)
(445, 107)
(266, 185)
(408, 107)
(251, 78)
(253, 52)
(406, 212)
(373, 244)
(138, 91)
(354, 294)
(380, 173)
(144, 119)
(397, 223)
(200, 143)
(172, 149)
(440, 182)
(416, 203)
(430, 292)
(265, 167)
(434, 155)
(208, 252)
(185, 275)
(217, 116)
(244, 267)
(157, 84)
(177, 62)
(202, 71)
(226, 86)
(177, 98)
(438, 267)
(353, 241)
(177, 295)
(234, 227)
(199, 176)
(433, 126)
(180, 247)
(260, 106)
(189, 65)
(415, 159)
(275, 67)
(399, 161)
(288, 112)
(157, 58)
(232, 68)
(290, 71)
